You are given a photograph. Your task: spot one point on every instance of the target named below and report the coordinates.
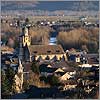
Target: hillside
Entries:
(50, 5)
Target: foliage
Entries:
(25, 85)
(80, 39)
(34, 79)
(4, 84)
(53, 80)
(35, 68)
(40, 35)
(7, 81)
(10, 73)
(10, 32)
(27, 20)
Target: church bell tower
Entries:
(24, 40)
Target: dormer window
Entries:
(57, 50)
(48, 51)
(35, 51)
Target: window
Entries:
(57, 50)
(47, 58)
(48, 51)
(35, 51)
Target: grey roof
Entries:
(62, 65)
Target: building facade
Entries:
(28, 52)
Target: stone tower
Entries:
(24, 40)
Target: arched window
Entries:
(39, 59)
(33, 58)
(54, 58)
(47, 58)
(63, 58)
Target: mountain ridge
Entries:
(50, 5)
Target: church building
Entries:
(29, 52)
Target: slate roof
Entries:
(63, 65)
(45, 49)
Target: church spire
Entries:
(24, 41)
(20, 67)
(18, 79)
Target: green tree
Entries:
(7, 81)
(35, 68)
(16, 43)
(25, 85)
(27, 20)
(84, 47)
(5, 86)
(53, 80)
(10, 73)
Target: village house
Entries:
(6, 50)
(63, 70)
(59, 69)
(28, 52)
(69, 85)
(69, 74)
(9, 60)
(46, 71)
(59, 72)
(65, 77)
(77, 56)
(85, 65)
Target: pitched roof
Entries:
(60, 64)
(59, 70)
(45, 49)
(63, 65)
(65, 77)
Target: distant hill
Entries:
(50, 5)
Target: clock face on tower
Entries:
(25, 37)
(26, 40)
